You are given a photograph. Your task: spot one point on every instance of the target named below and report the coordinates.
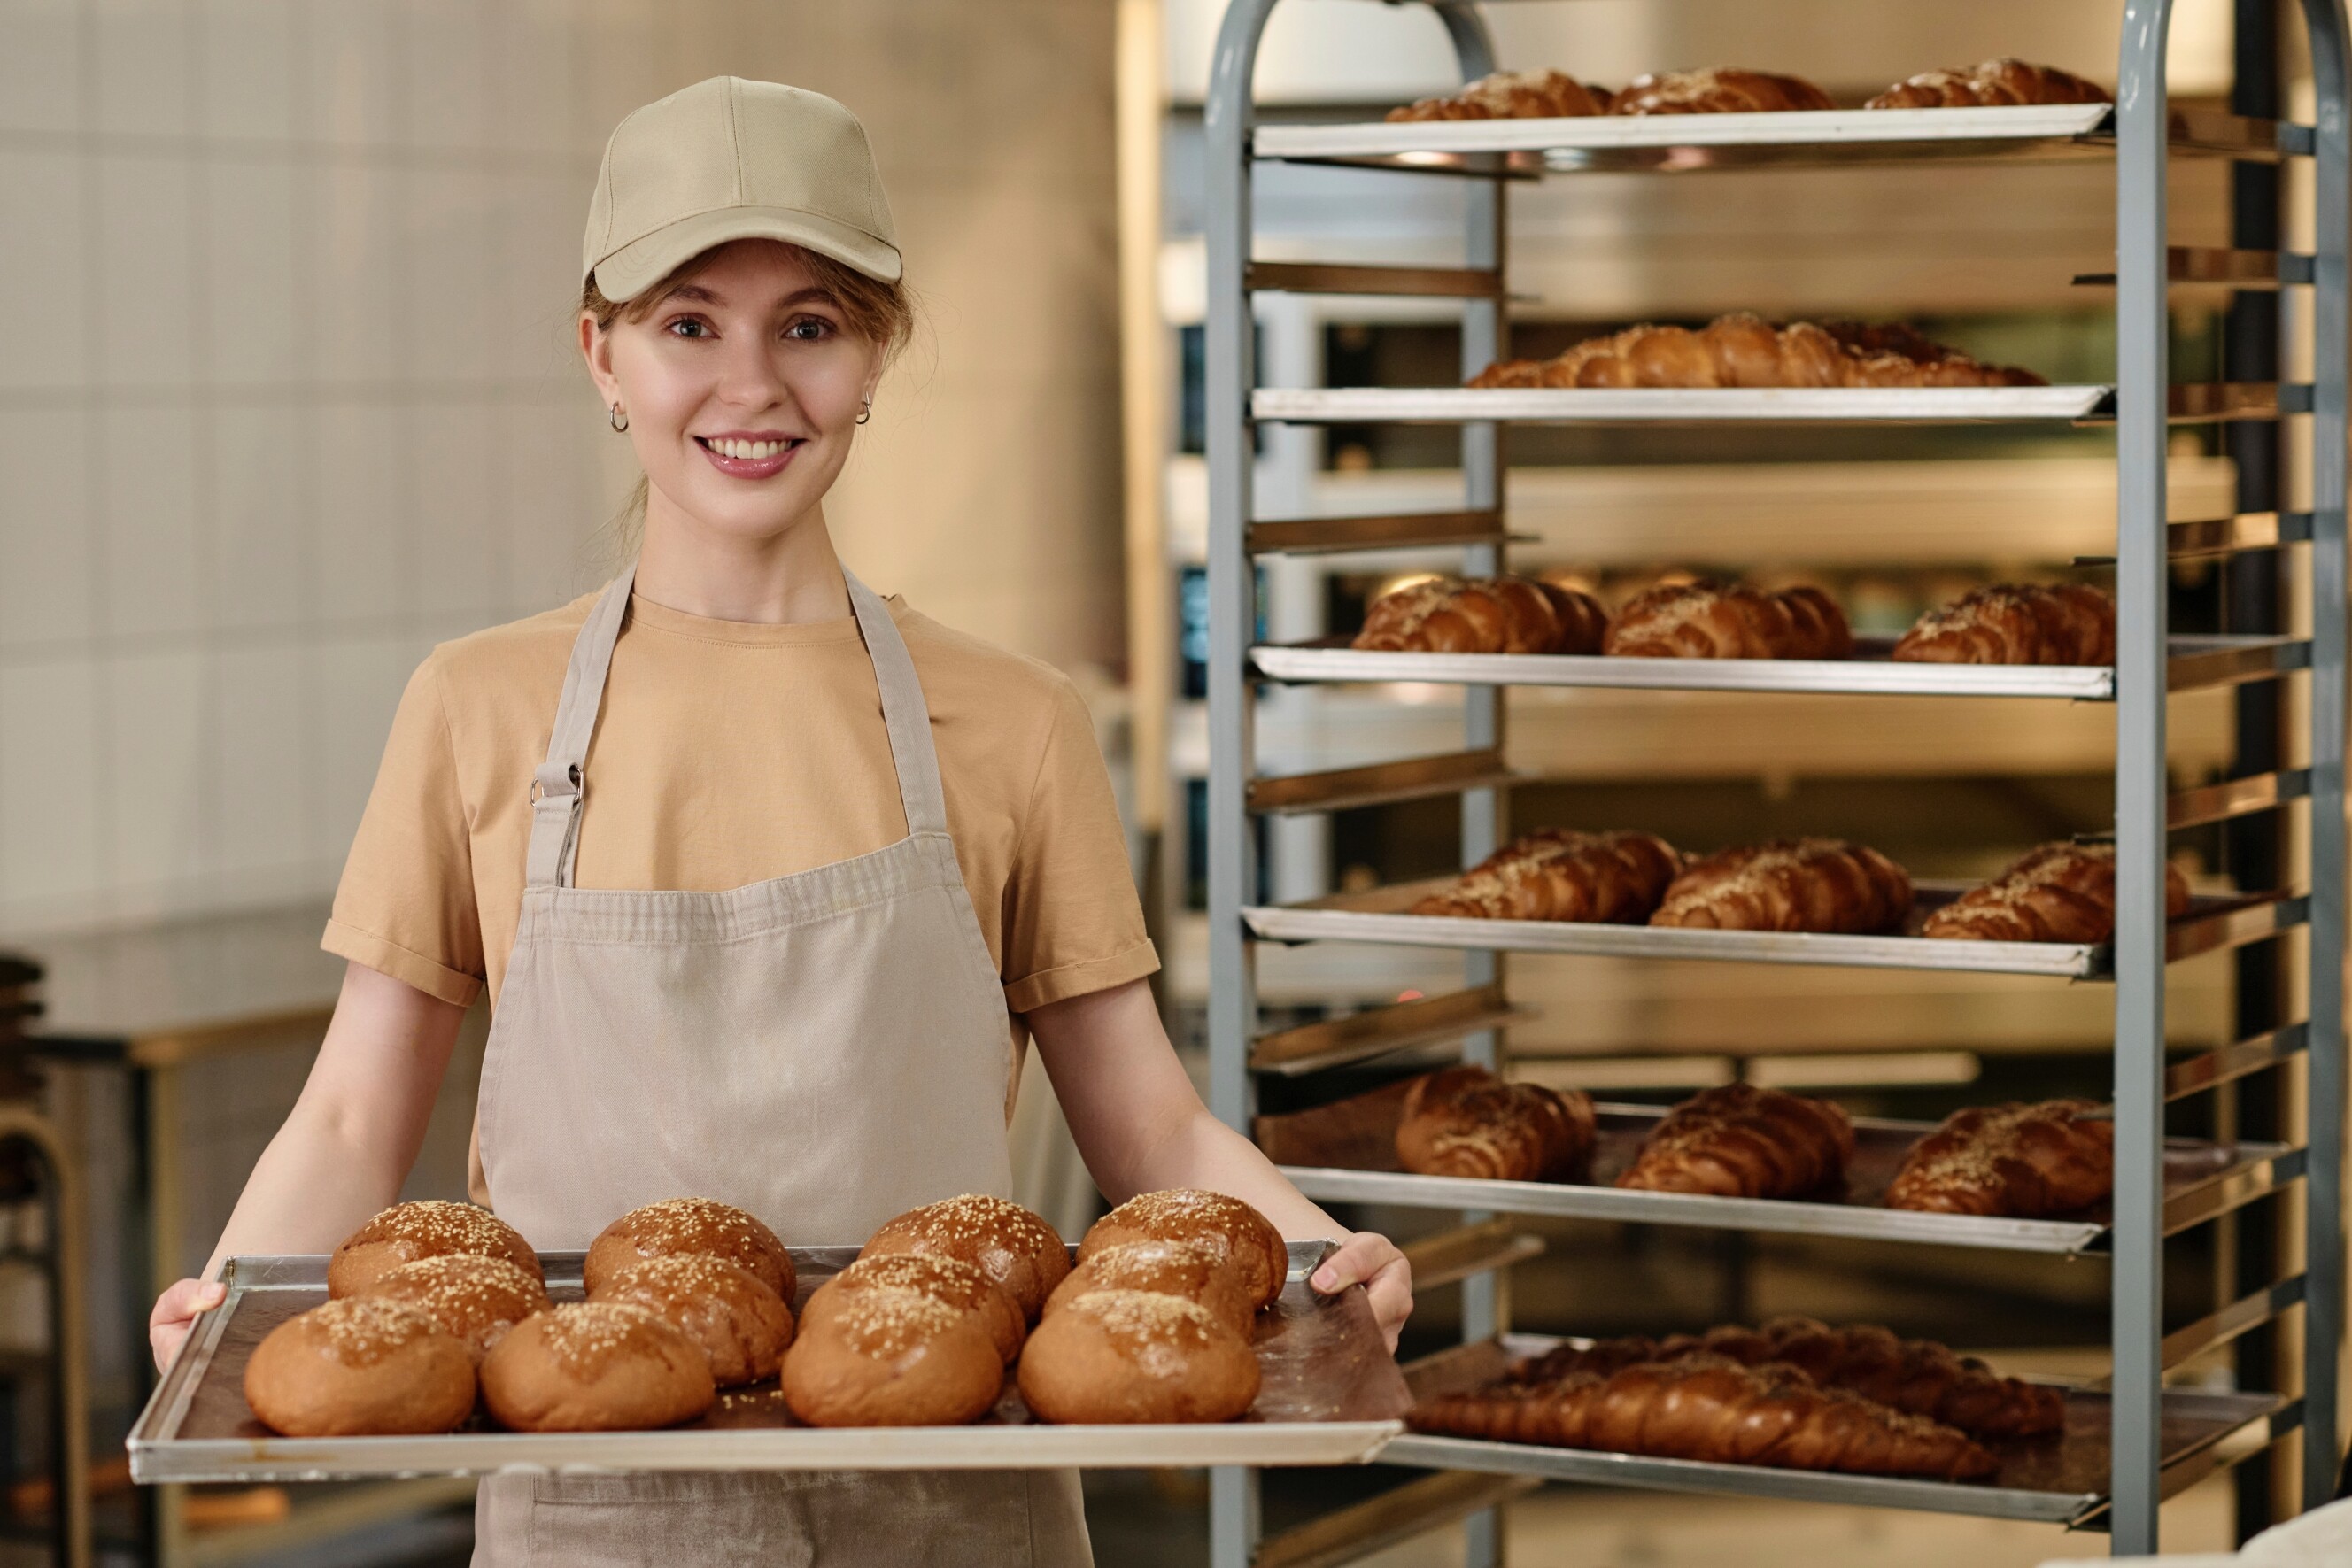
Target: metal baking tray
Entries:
(1677, 405)
(1346, 1152)
(1332, 1395)
(2196, 662)
(1379, 914)
(2060, 1480)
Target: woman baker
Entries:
(768, 876)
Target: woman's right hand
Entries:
(175, 1313)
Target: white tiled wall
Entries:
(288, 394)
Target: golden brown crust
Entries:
(953, 1281)
(1988, 85)
(2019, 1161)
(1483, 615)
(1260, 1256)
(2016, 623)
(426, 1228)
(1743, 350)
(1729, 621)
(678, 1227)
(738, 1323)
(474, 1298)
(1465, 1121)
(1739, 1141)
(1199, 1272)
(892, 1357)
(1017, 1249)
(1560, 874)
(2057, 892)
(596, 1366)
(1512, 95)
(1137, 1356)
(360, 1367)
(1801, 884)
(1723, 89)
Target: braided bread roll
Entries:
(1743, 350)
(1557, 873)
(1729, 621)
(1801, 884)
(1739, 1141)
(1512, 95)
(1990, 85)
(2019, 1161)
(2058, 892)
(1465, 1121)
(2017, 623)
(1711, 1408)
(1724, 89)
(1483, 615)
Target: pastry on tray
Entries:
(1465, 1121)
(1990, 85)
(362, 1367)
(1742, 350)
(476, 1297)
(1012, 1247)
(731, 1314)
(1722, 89)
(1483, 615)
(893, 1357)
(2017, 1160)
(1792, 884)
(679, 1227)
(1247, 1239)
(1729, 621)
(1740, 1141)
(1198, 1269)
(428, 1228)
(2017, 623)
(2059, 893)
(959, 1284)
(1512, 95)
(596, 1366)
(1560, 874)
(1128, 1356)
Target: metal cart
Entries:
(2154, 1443)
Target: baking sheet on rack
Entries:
(1678, 405)
(1332, 1395)
(1346, 1151)
(2055, 1479)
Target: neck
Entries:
(779, 580)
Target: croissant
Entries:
(2022, 1161)
(1801, 884)
(1992, 84)
(1711, 1408)
(1558, 873)
(1742, 350)
(1722, 91)
(1483, 615)
(1512, 95)
(1739, 1141)
(2017, 623)
(1465, 1121)
(1729, 621)
(2059, 893)
(1917, 1377)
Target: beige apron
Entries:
(825, 1049)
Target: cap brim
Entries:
(641, 263)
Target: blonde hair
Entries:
(882, 313)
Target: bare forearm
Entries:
(313, 1186)
(1200, 1150)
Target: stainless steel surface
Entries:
(1332, 1395)
(2225, 536)
(2053, 1480)
(1671, 405)
(1377, 1032)
(2236, 797)
(1346, 1153)
(1408, 779)
(2219, 1328)
(2235, 1061)
(1390, 530)
(2219, 264)
(1352, 1534)
(1327, 278)
(1381, 915)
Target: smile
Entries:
(751, 455)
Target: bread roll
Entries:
(1135, 1356)
(596, 1366)
(427, 1229)
(890, 1357)
(680, 1225)
(1199, 1271)
(741, 1324)
(959, 1284)
(1189, 1214)
(1012, 1247)
(1722, 89)
(474, 1298)
(360, 1368)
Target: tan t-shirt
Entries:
(729, 753)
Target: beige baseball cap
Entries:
(728, 159)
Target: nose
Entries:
(748, 380)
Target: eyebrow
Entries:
(697, 294)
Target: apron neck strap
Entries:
(557, 785)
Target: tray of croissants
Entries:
(964, 1334)
(2029, 1176)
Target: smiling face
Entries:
(741, 383)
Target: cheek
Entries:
(660, 392)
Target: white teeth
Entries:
(753, 449)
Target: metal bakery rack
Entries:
(2132, 1443)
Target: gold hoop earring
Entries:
(620, 420)
(865, 411)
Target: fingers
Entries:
(176, 1312)
(1358, 1259)
(1390, 1292)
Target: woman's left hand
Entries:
(1374, 1262)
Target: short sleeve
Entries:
(405, 905)
(1073, 924)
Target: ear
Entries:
(597, 348)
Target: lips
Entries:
(750, 454)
